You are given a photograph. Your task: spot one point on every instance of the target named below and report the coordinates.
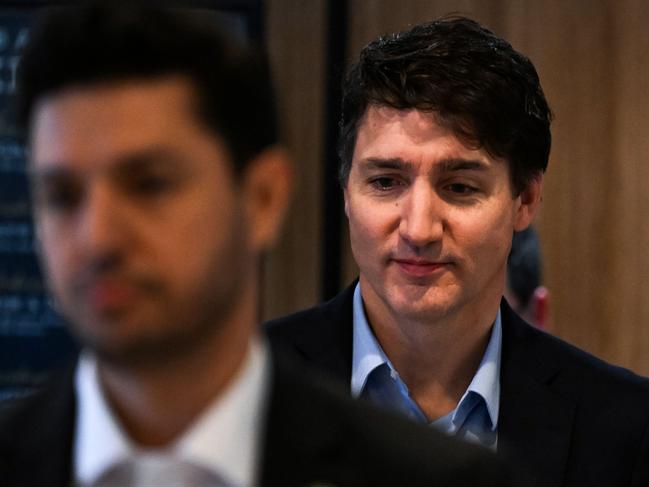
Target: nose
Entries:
(100, 228)
(422, 222)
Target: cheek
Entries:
(56, 255)
(371, 235)
(372, 219)
(364, 229)
(192, 227)
(59, 267)
(487, 236)
(202, 237)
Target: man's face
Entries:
(431, 220)
(141, 222)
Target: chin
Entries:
(422, 309)
(430, 314)
(422, 297)
(123, 351)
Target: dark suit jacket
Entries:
(566, 418)
(314, 436)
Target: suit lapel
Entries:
(535, 423)
(327, 340)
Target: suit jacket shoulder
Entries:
(321, 335)
(36, 435)
(568, 417)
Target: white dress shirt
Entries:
(221, 447)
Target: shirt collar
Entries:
(225, 438)
(367, 355)
(99, 441)
(486, 381)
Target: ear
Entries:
(267, 187)
(345, 199)
(529, 203)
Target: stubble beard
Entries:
(177, 333)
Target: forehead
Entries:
(96, 122)
(411, 135)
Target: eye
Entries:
(148, 176)
(461, 189)
(149, 184)
(59, 196)
(152, 185)
(384, 183)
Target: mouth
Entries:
(112, 293)
(420, 267)
(108, 295)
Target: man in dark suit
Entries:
(445, 137)
(157, 184)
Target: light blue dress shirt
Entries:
(475, 418)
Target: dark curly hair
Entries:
(472, 82)
(104, 41)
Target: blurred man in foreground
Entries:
(157, 184)
(445, 137)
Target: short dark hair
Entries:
(524, 265)
(112, 41)
(472, 82)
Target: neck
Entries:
(438, 358)
(156, 403)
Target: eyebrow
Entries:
(389, 163)
(458, 164)
(446, 165)
(42, 177)
(129, 162)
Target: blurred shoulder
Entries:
(381, 448)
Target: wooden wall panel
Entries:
(628, 326)
(295, 39)
(592, 59)
(571, 44)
